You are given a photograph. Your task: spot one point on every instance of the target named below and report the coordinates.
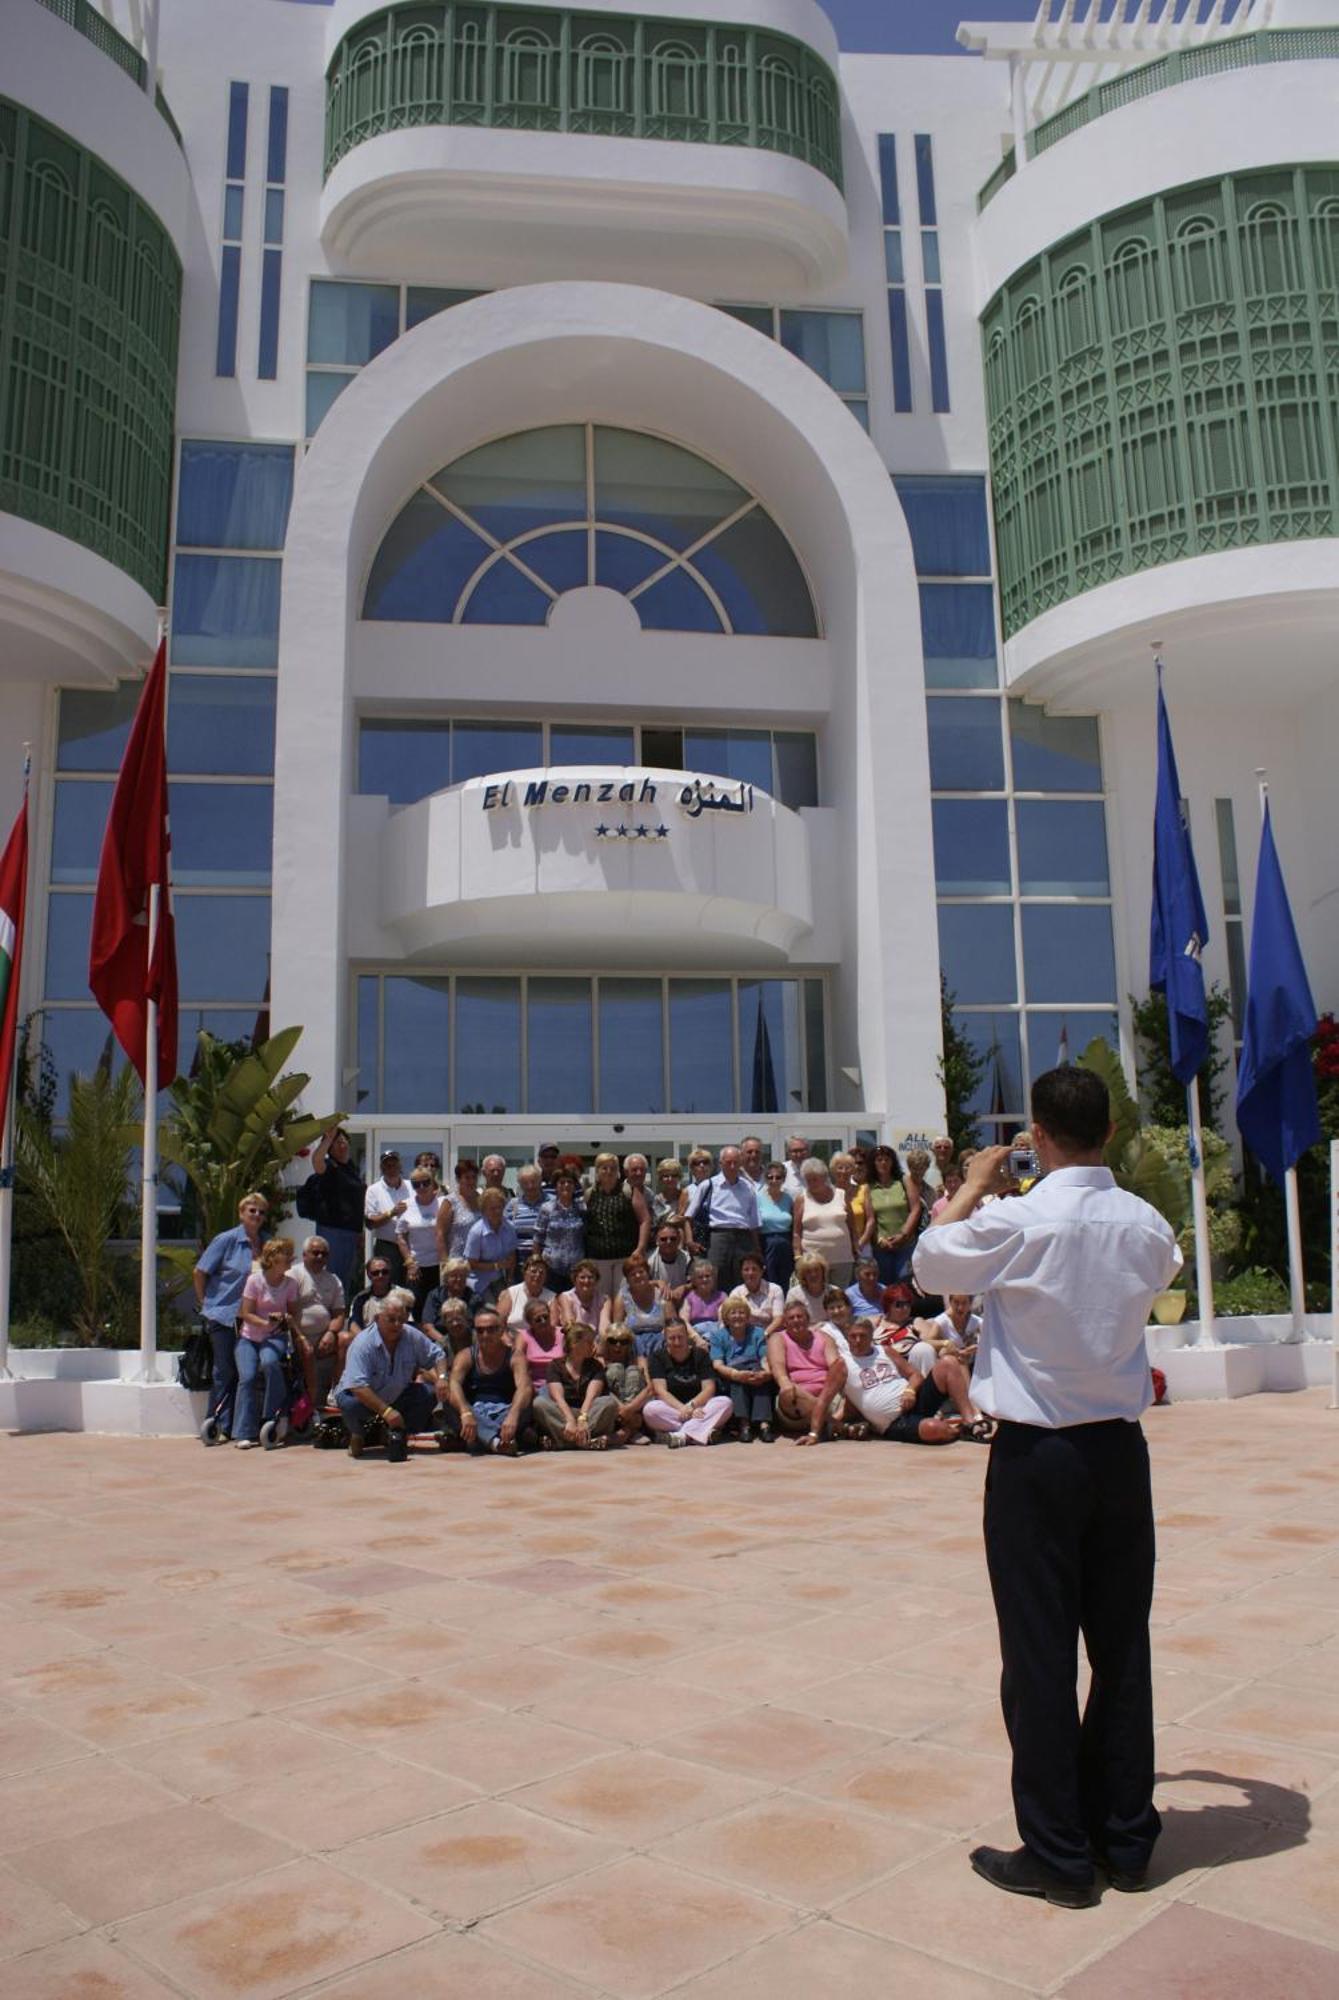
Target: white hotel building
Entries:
(663, 525)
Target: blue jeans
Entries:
(259, 1357)
(344, 1247)
(223, 1340)
(416, 1403)
(490, 1417)
(893, 1264)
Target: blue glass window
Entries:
(888, 177)
(368, 1086)
(271, 271)
(1062, 848)
(701, 1059)
(223, 947)
(925, 179)
(503, 596)
(426, 301)
(999, 1093)
(647, 483)
(976, 952)
(930, 256)
(758, 317)
(621, 563)
(351, 323)
(77, 1039)
(276, 151)
(771, 1074)
(575, 743)
(560, 1075)
(478, 749)
(1067, 952)
(531, 480)
(230, 280)
(958, 635)
(739, 754)
(221, 834)
(78, 824)
(796, 782)
(677, 604)
(966, 748)
(753, 571)
(238, 94)
(416, 1069)
(815, 1045)
(234, 199)
(561, 557)
(404, 761)
(234, 496)
(225, 611)
(934, 328)
(893, 269)
(488, 1047)
(1079, 1028)
(221, 725)
(832, 344)
(425, 561)
(322, 389)
(95, 726)
(631, 1046)
(900, 336)
(274, 215)
(971, 842)
(68, 920)
(946, 515)
(1054, 753)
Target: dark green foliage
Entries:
(961, 1068)
(1162, 1098)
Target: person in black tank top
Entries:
(490, 1395)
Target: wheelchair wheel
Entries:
(212, 1432)
(274, 1432)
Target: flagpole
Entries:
(148, 1221)
(1199, 1204)
(1292, 1207)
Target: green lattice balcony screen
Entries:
(548, 70)
(1164, 384)
(90, 301)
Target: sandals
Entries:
(981, 1432)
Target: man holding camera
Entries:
(1068, 1273)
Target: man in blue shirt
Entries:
(728, 1204)
(225, 1264)
(380, 1379)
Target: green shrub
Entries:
(1256, 1291)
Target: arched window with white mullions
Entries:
(498, 536)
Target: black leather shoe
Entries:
(1128, 1880)
(1019, 1871)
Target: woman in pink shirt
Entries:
(268, 1317)
(809, 1374)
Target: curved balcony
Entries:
(90, 291)
(1163, 385)
(461, 136)
(667, 866)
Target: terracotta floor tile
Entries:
(447, 1968)
(113, 1718)
(29, 1643)
(205, 1648)
(639, 1798)
(83, 1968)
(203, 1762)
(30, 1743)
(929, 1784)
(637, 1927)
(72, 1799)
(363, 1580)
(1280, 1882)
(1188, 1954)
(827, 1958)
(295, 1675)
(158, 1857)
(1271, 1710)
(30, 1917)
(498, 1759)
(771, 1743)
(365, 1793)
(805, 1851)
(1267, 1781)
(273, 1934)
(389, 1715)
(478, 1859)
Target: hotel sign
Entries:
(626, 798)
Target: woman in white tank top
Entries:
(824, 1223)
(514, 1301)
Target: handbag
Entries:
(195, 1363)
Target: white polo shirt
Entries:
(1069, 1272)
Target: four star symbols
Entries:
(639, 832)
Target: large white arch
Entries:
(622, 354)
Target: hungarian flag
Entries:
(13, 896)
(123, 973)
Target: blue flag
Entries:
(1180, 929)
(1277, 1114)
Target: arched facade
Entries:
(454, 882)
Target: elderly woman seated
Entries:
(739, 1362)
(809, 1374)
(628, 1381)
(811, 1282)
(686, 1406)
(579, 1412)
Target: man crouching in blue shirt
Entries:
(381, 1380)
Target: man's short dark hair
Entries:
(1072, 1105)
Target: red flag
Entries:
(13, 899)
(136, 853)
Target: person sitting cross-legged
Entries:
(900, 1403)
(808, 1371)
(686, 1407)
(954, 1331)
(490, 1393)
(579, 1413)
(380, 1379)
(627, 1379)
(739, 1362)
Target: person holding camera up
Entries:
(1068, 1273)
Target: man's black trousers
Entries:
(1069, 1546)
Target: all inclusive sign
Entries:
(635, 806)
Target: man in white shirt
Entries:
(797, 1152)
(321, 1309)
(751, 1162)
(1068, 1275)
(383, 1205)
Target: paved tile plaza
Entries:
(719, 1723)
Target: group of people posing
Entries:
(749, 1299)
